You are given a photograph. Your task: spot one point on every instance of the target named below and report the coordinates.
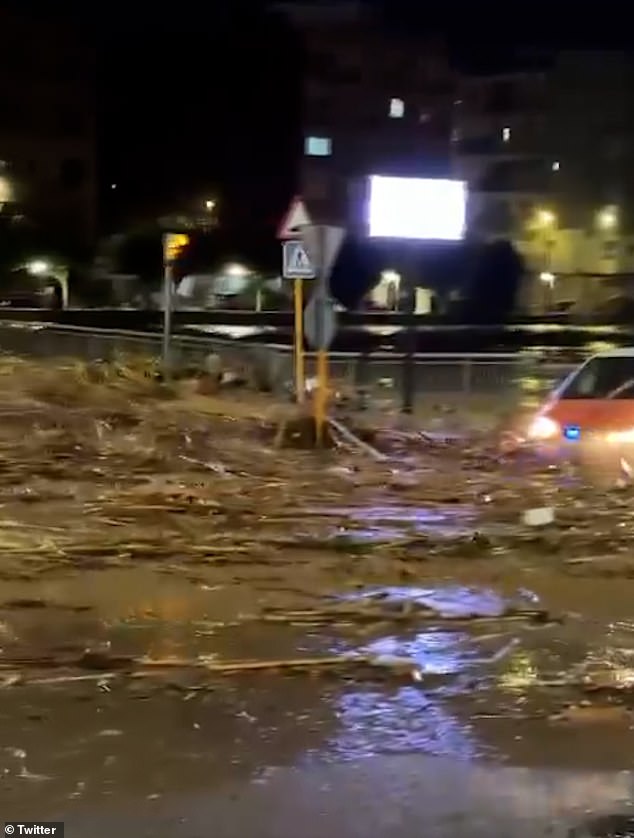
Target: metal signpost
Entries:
(296, 266)
(173, 243)
(423, 221)
(322, 245)
(408, 383)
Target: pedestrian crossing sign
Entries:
(296, 264)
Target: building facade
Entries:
(372, 104)
(47, 128)
(548, 152)
(497, 147)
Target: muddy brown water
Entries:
(485, 696)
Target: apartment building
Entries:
(498, 148)
(547, 150)
(372, 103)
(47, 127)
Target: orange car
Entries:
(592, 408)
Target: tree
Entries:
(355, 272)
(21, 242)
(492, 293)
(141, 254)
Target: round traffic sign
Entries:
(320, 322)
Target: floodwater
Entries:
(384, 522)
(194, 640)
(490, 698)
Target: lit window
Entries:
(555, 166)
(506, 134)
(318, 146)
(397, 108)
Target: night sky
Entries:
(200, 99)
(199, 105)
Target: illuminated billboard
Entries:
(416, 208)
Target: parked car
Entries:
(22, 290)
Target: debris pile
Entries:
(92, 456)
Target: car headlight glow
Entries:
(543, 428)
(620, 436)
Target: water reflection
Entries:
(405, 721)
(386, 522)
(520, 672)
(437, 653)
(612, 661)
(446, 599)
(469, 704)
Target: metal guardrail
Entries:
(479, 374)
(229, 317)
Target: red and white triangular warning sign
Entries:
(296, 218)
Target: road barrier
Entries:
(131, 318)
(478, 375)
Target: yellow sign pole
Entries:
(300, 375)
(321, 396)
(173, 244)
(323, 243)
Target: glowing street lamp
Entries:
(545, 221)
(608, 218)
(236, 270)
(546, 218)
(391, 280)
(210, 205)
(38, 267)
(6, 192)
(391, 276)
(547, 278)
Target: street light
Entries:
(391, 281)
(547, 279)
(210, 205)
(546, 221)
(236, 270)
(546, 218)
(38, 267)
(608, 218)
(6, 192)
(391, 276)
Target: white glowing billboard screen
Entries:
(416, 208)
